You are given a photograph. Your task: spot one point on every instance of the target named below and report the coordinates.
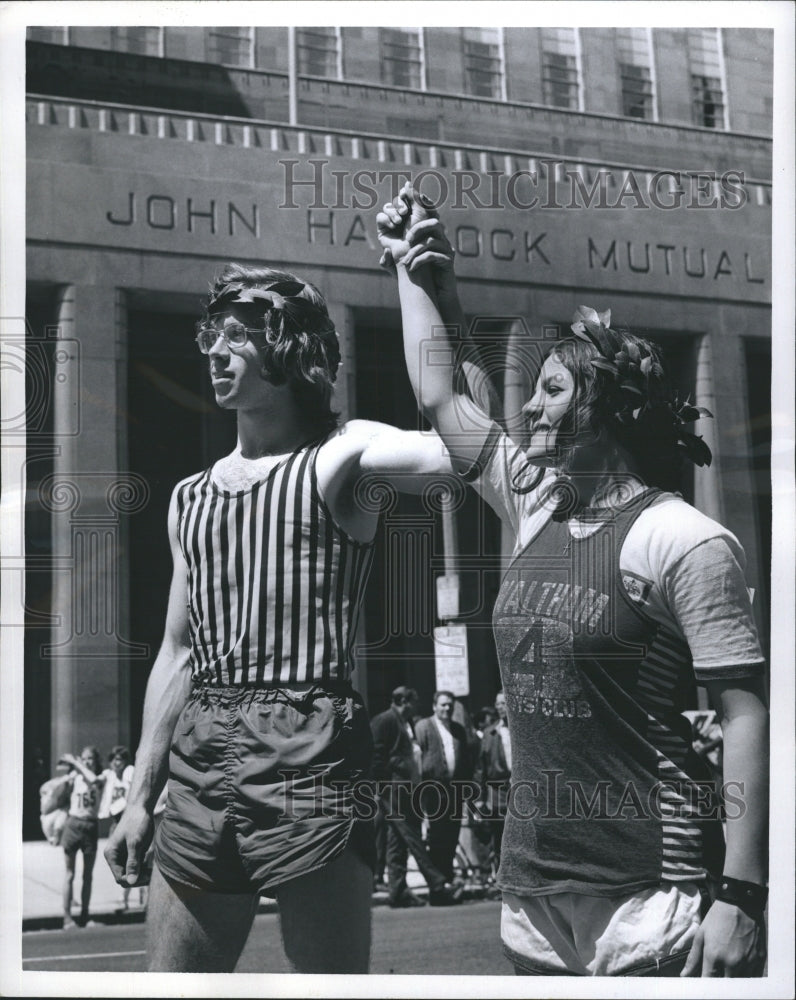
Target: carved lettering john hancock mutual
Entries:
(329, 227)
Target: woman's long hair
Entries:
(622, 396)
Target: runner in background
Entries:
(80, 832)
(118, 777)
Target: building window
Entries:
(706, 65)
(402, 57)
(231, 46)
(142, 41)
(55, 36)
(483, 62)
(560, 76)
(635, 71)
(319, 52)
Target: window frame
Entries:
(217, 31)
(419, 63)
(338, 51)
(498, 76)
(708, 77)
(568, 73)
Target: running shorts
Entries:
(80, 834)
(261, 786)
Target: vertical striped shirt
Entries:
(274, 585)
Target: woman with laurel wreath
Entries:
(619, 597)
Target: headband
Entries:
(633, 371)
(282, 297)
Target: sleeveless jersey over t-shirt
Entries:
(608, 796)
(84, 801)
(274, 584)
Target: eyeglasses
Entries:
(234, 334)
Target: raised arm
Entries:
(440, 359)
(166, 694)
(78, 765)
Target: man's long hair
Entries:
(299, 345)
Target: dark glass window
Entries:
(401, 57)
(636, 91)
(318, 51)
(230, 46)
(560, 80)
(707, 93)
(483, 62)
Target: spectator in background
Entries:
(483, 720)
(462, 715)
(493, 774)
(397, 767)
(87, 780)
(445, 761)
(380, 831)
(480, 846)
(54, 797)
(118, 777)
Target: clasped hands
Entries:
(412, 234)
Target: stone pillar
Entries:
(707, 482)
(524, 358)
(344, 402)
(517, 379)
(345, 393)
(89, 498)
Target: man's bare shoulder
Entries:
(348, 441)
(360, 432)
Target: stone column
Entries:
(345, 393)
(344, 402)
(89, 498)
(707, 484)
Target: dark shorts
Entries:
(80, 835)
(261, 786)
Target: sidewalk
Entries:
(42, 881)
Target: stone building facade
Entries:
(621, 168)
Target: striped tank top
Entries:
(274, 585)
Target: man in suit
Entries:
(443, 743)
(397, 769)
(493, 773)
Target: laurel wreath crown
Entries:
(638, 391)
(283, 297)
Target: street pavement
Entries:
(42, 881)
(461, 940)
